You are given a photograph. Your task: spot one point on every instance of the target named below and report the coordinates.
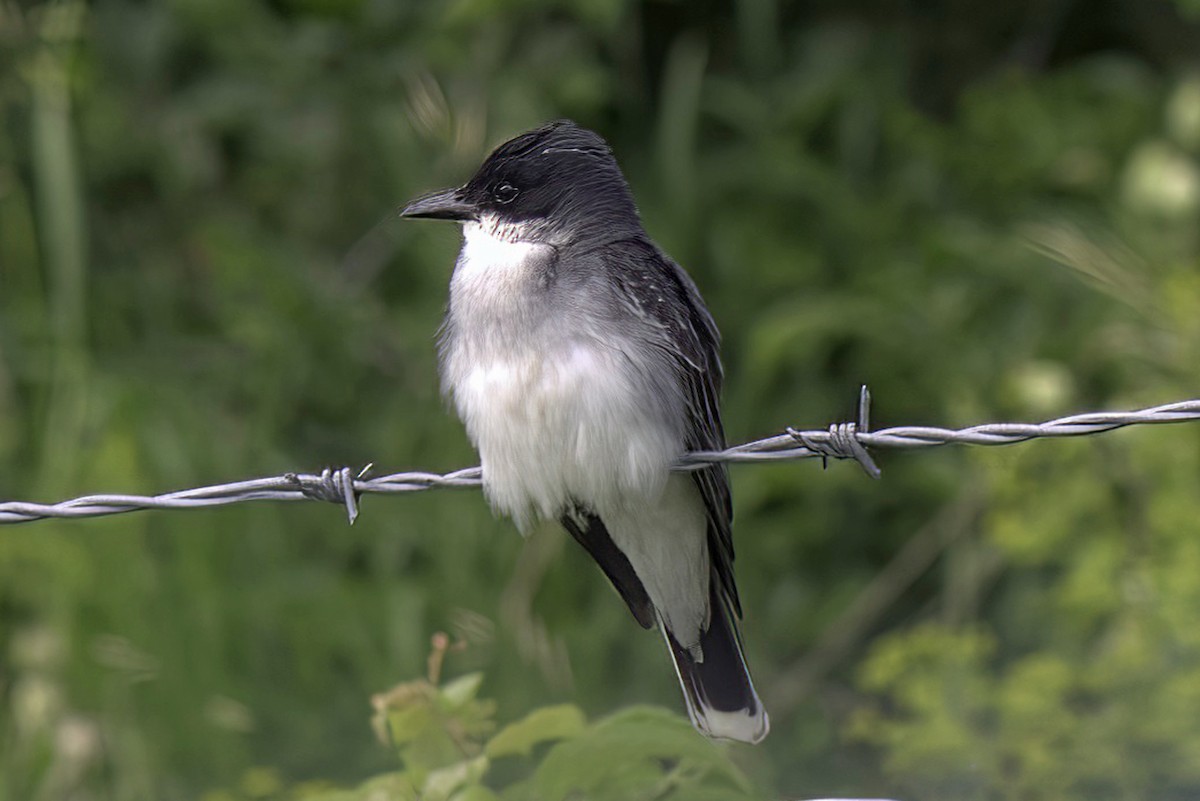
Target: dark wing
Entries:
(658, 290)
(589, 531)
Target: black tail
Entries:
(720, 695)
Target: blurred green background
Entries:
(983, 211)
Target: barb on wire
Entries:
(843, 441)
(839, 441)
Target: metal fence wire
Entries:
(840, 441)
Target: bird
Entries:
(584, 364)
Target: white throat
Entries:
(489, 234)
(494, 260)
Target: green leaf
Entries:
(441, 783)
(406, 725)
(461, 690)
(539, 726)
(475, 792)
(388, 786)
(637, 746)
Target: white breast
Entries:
(556, 411)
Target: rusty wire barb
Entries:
(840, 441)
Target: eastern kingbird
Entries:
(584, 364)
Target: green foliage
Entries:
(443, 738)
(540, 725)
(985, 213)
(1094, 692)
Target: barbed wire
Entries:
(840, 441)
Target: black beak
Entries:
(447, 204)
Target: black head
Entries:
(556, 183)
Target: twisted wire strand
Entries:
(839, 441)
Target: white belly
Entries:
(565, 427)
(562, 426)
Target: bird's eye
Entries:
(505, 193)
